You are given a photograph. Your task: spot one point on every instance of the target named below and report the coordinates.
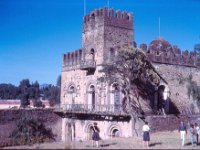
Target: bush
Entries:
(29, 131)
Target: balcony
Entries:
(88, 64)
(102, 112)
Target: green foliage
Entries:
(29, 131)
(8, 91)
(52, 93)
(59, 81)
(27, 91)
(24, 99)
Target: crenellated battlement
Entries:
(72, 58)
(108, 17)
(171, 55)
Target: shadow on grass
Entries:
(108, 144)
(103, 145)
(189, 143)
(154, 144)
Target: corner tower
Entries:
(103, 30)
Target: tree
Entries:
(59, 81)
(34, 94)
(24, 85)
(24, 99)
(8, 91)
(52, 93)
(24, 92)
(136, 76)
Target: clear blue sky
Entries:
(35, 33)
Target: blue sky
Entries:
(35, 33)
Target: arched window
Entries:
(115, 96)
(92, 54)
(91, 97)
(72, 94)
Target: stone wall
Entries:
(177, 79)
(170, 122)
(8, 119)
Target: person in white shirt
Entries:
(197, 132)
(183, 131)
(146, 136)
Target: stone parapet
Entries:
(109, 17)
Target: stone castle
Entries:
(87, 101)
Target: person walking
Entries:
(197, 132)
(183, 131)
(146, 136)
(192, 134)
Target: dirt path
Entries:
(161, 140)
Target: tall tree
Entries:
(135, 75)
(59, 81)
(24, 92)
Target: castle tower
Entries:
(103, 30)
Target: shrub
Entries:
(30, 130)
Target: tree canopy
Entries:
(27, 91)
(136, 76)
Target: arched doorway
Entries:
(114, 131)
(163, 99)
(89, 129)
(91, 97)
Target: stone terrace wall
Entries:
(8, 119)
(171, 122)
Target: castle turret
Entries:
(103, 30)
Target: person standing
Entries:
(146, 136)
(192, 133)
(95, 135)
(183, 131)
(197, 132)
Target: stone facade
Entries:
(175, 66)
(103, 31)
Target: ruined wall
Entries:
(9, 118)
(161, 51)
(170, 122)
(176, 77)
